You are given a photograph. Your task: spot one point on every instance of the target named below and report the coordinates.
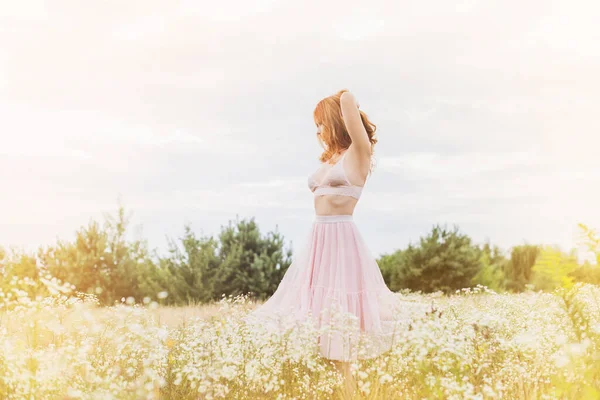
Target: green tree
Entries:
(553, 269)
(444, 260)
(20, 270)
(517, 270)
(191, 269)
(102, 262)
(388, 263)
(590, 238)
(491, 273)
(250, 262)
(588, 272)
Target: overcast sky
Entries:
(195, 112)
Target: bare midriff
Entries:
(330, 204)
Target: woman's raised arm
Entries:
(353, 122)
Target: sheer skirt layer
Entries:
(335, 281)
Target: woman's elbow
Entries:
(348, 98)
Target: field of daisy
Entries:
(474, 344)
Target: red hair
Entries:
(334, 136)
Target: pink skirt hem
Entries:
(335, 281)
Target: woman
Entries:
(335, 270)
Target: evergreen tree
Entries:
(444, 260)
(388, 264)
(250, 263)
(191, 269)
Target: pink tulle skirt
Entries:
(335, 280)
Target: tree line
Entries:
(241, 259)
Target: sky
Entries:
(194, 112)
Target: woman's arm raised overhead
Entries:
(353, 122)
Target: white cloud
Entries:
(142, 27)
(570, 29)
(358, 23)
(225, 11)
(245, 198)
(429, 165)
(30, 11)
(52, 132)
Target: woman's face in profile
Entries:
(319, 129)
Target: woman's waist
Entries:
(334, 205)
(334, 217)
